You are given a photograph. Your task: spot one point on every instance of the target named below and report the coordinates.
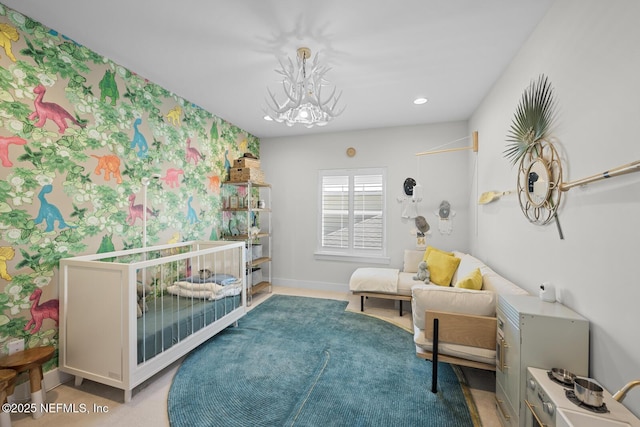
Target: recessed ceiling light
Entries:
(420, 101)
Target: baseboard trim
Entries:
(52, 379)
(316, 286)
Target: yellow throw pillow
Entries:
(472, 281)
(432, 249)
(442, 267)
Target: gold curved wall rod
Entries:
(620, 170)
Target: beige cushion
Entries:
(374, 279)
(492, 281)
(411, 260)
(406, 282)
(454, 300)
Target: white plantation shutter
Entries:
(352, 209)
(335, 212)
(367, 211)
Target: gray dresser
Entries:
(534, 333)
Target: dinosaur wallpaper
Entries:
(82, 140)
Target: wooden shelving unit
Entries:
(249, 207)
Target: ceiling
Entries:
(221, 55)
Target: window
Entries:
(352, 213)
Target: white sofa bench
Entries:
(387, 283)
(462, 321)
(457, 325)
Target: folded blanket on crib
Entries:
(205, 276)
(208, 287)
(211, 291)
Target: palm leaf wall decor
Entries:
(533, 119)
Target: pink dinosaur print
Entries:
(193, 153)
(171, 177)
(5, 141)
(136, 211)
(51, 111)
(39, 312)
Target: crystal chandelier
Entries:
(304, 103)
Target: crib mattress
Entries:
(170, 319)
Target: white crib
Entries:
(191, 291)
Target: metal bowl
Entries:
(588, 392)
(563, 376)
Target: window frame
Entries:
(352, 254)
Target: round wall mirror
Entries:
(539, 178)
(538, 182)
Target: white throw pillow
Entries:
(468, 263)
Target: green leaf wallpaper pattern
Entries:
(78, 133)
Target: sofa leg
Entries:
(400, 301)
(361, 302)
(434, 367)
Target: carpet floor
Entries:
(296, 361)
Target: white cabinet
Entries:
(247, 216)
(534, 333)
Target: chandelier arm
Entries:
(332, 96)
(336, 99)
(287, 72)
(297, 100)
(319, 75)
(315, 64)
(330, 112)
(277, 109)
(291, 66)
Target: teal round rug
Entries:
(296, 361)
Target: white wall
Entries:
(590, 50)
(291, 166)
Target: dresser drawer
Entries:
(506, 414)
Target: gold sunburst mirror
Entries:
(539, 166)
(540, 184)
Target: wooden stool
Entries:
(30, 360)
(7, 380)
